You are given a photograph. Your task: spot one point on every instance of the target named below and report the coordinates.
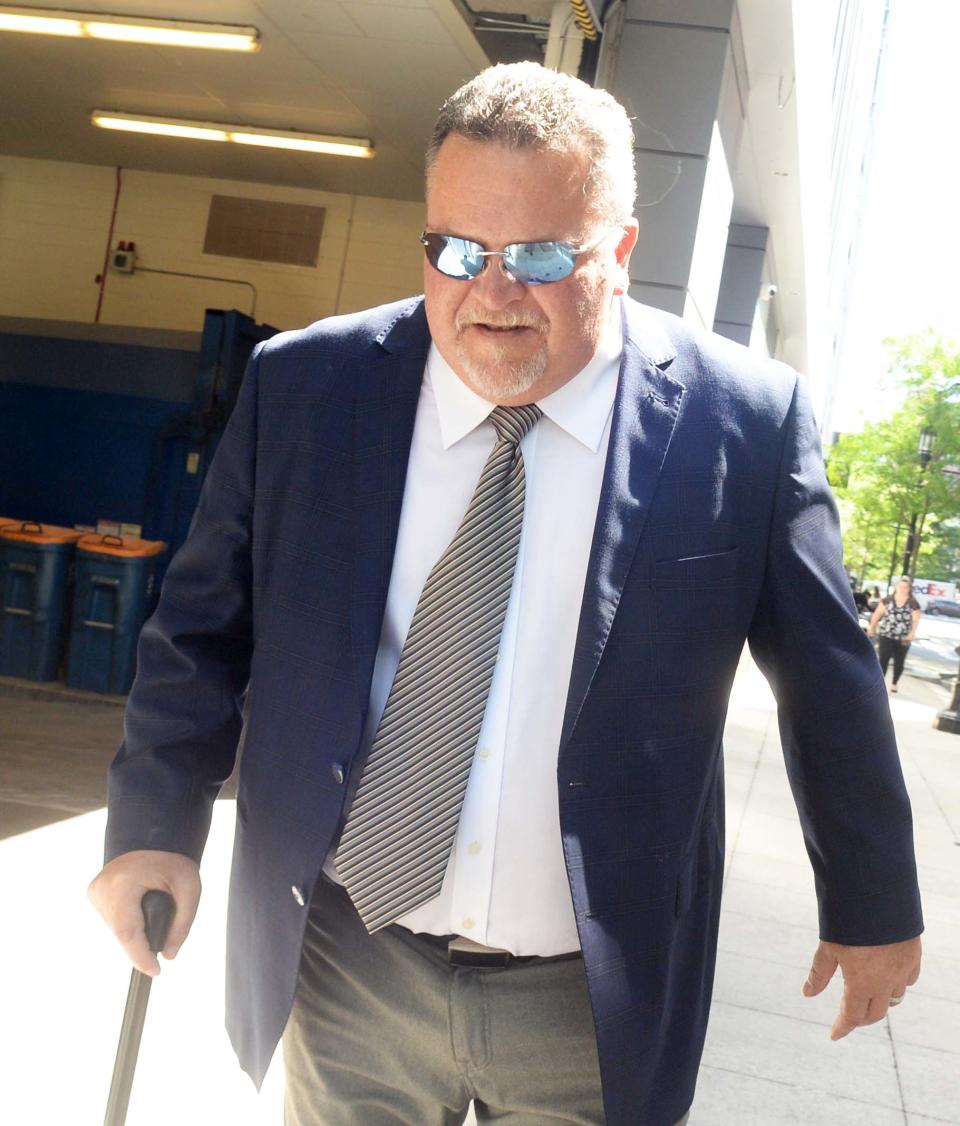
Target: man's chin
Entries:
(500, 381)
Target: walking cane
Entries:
(158, 908)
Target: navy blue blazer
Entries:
(715, 526)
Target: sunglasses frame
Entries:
(569, 248)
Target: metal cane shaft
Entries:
(128, 1048)
(158, 908)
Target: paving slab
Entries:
(765, 901)
(795, 874)
(930, 1081)
(940, 978)
(800, 1054)
(736, 1098)
(768, 939)
(757, 985)
(770, 835)
(928, 1022)
(17, 817)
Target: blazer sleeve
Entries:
(183, 716)
(835, 726)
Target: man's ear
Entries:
(628, 240)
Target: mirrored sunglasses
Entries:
(530, 263)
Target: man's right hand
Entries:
(121, 885)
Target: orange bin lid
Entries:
(128, 547)
(29, 531)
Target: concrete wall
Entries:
(679, 70)
(741, 281)
(55, 219)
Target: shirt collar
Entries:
(581, 406)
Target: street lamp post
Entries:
(949, 718)
(893, 554)
(912, 546)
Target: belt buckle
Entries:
(465, 952)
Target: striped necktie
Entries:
(400, 830)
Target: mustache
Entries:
(517, 319)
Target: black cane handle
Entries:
(158, 908)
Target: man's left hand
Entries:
(873, 977)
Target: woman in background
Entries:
(895, 622)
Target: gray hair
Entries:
(526, 106)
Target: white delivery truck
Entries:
(925, 589)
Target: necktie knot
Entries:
(511, 423)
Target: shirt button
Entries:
(297, 895)
(468, 924)
(337, 771)
(474, 847)
(484, 753)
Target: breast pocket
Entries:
(697, 593)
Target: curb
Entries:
(54, 691)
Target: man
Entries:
(488, 562)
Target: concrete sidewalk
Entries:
(768, 1059)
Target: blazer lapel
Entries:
(644, 416)
(386, 411)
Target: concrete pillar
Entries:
(740, 281)
(565, 41)
(679, 70)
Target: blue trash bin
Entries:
(114, 586)
(35, 573)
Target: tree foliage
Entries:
(878, 477)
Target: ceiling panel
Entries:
(394, 22)
(325, 16)
(370, 68)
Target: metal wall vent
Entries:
(264, 230)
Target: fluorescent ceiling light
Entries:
(239, 134)
(126, 29)
(304, 142)
(159, 127)
(17, 19)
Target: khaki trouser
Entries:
(384, 1032)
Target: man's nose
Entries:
(495, 287)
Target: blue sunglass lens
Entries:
(455, 257)
(538, 263)
(531, 263)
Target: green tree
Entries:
(940, 552)
(890, 501)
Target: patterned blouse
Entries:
(897, 622)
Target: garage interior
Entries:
(139, 270)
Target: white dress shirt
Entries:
(506, 884)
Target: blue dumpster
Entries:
(114, 587)
(35, 572)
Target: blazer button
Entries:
(337, 771)
(297, 895)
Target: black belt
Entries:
(462, 951)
